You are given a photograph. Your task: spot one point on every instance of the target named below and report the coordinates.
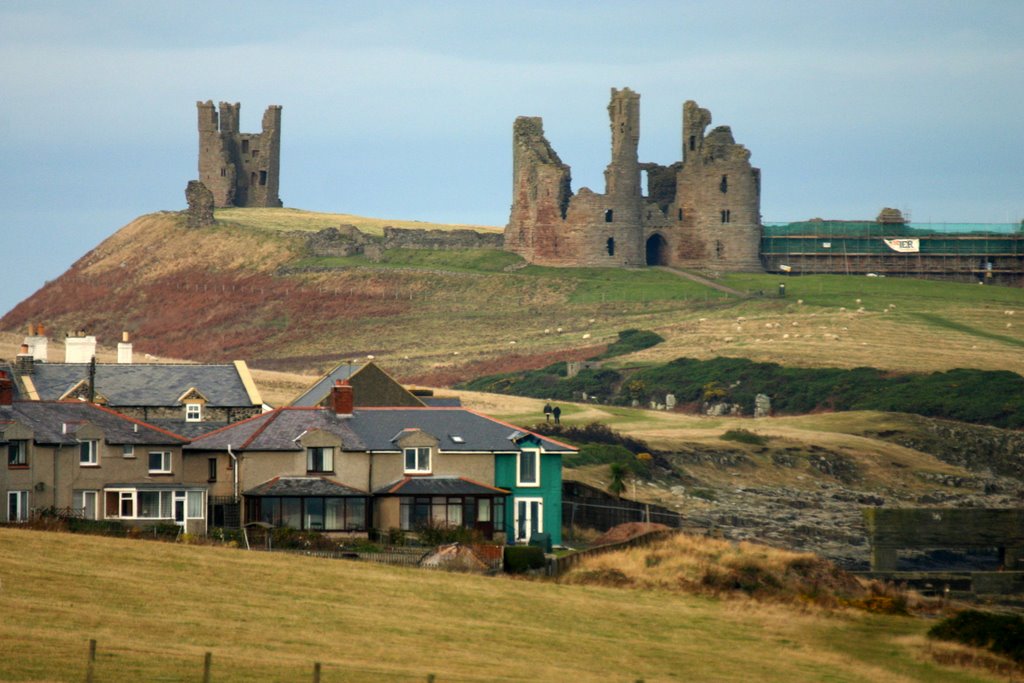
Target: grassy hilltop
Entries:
(246, 288)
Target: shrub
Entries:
(630, 341)
(434, 534)
(1002, 634)
(744, 436)
(520, 559)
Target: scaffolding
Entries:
(993, 251)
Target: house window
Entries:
(451, 511)
(84, 502)
(195, 505)
(328, 513)
(528, 470)
(212, 474)
(127, 451)
(160, 462)
(17, 453)
(417, 460)
(88, 453)
(193, 412)
(17, 506)
(319, 459)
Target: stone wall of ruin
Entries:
(702, 212)
(240, 169)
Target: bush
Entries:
(593, 433)
(434, 535)
(744, 436)
(1002, 634)
(520, 559)
(96, 527)
(630, 341)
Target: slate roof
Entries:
(319, 391)
(190, 430)
(437, 486)
(144, 384)
(373, 429)
(303, 486)
(279, 430)
(46, 419)
(441, 401)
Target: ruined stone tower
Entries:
(702, 212)
(240, 169)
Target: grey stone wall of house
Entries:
(702, 212)
(240, 169)
(200, 205)
(210, 413)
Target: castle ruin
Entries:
(240, 169)
(702, 212)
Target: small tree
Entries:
(619, 472)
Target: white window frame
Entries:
(193, 412)
(327, 459)
(535, 453)
(417, 452)
(165, 462)
(127, 451)
(23, 509)
(94, 453)
(515, 517)
(82, 495)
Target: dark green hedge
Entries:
(1002, 634)
(521, 558)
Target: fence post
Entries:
(207, 661)
(316, 672)
(89, 670)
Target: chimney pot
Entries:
(124, 336)
(342, 397)
(31, 329)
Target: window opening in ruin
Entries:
(645, 184)
(726, 215)
(724, 185)
(223, 172)
(252, 180)
(263, 177)
(693, 142)
(657, 250)
(245, 146)
(607, 215)
(718, 249)
(610, 245)
(255, 153)
(680, 214)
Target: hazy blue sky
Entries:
(405, 110)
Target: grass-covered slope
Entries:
(248, 288)
(155, 609)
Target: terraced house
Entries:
(87, 460)
(343, 469)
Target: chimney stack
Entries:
(25, 361)
(124, 350)
(342, 398)
(79, 348)
(6, 389)
(37, 342)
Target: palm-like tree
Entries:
(619, 473)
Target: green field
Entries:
(155, 609)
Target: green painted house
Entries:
(533, 477)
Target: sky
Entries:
(405, 109)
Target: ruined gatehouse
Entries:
(702, 212)
(240, 169)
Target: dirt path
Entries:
(704, 281)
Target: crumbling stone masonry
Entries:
(240, 169)
(200, 205)
(703, 212)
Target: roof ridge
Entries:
(273, 416)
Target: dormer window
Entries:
(417, 460)
(319, 459)
(88, 453)
(193, 412)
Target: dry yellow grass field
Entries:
(286, 219)
(156, 608)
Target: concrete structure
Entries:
(891, 530)
(240, 169)
(702, 212)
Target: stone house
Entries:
(342, 468)
(90, 461)
(371, 385)
(187, 399)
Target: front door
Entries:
(179, 507)
(529, 518)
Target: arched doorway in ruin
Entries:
(657, 250)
